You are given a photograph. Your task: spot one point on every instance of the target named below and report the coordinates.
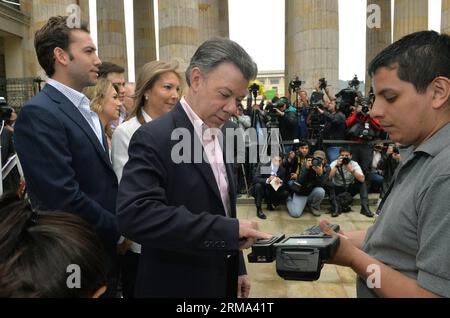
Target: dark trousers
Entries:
(363, 155)
(353, 188)
(266, 191)
(129, 266)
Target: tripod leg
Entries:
(245, 179)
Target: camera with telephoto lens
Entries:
(345, 161)
(5, 110)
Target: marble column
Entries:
(289, 60)
(378, 36)
(312, 29)
(84, 6)
(112, 45)
(224, 26)
(445, 22)
(178, 30)
(40, 11)
(410, 16)
(213, 19)
(144, 33)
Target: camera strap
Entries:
(341, 172)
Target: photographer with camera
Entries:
(309, 186)
(347, 180)
(388, 163)
(301, 103)
(284, 116)
(362, 128)
(334, 127)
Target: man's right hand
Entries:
(249, 233)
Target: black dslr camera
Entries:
(295, 84)
(298, 257)
(346, 161)
(365, 103)
(5, 110)
(322, 83)
(316, 162)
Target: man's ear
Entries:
(441, 92)
(196, 79)
(61, 56)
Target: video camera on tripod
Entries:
(354, 83)
(295, 84)
(346, 97)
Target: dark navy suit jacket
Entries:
(65, 166)
(175, 211)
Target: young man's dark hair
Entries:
(38, 248)
(108, 67)
(343, 149)
(420, 58)
(54, 34)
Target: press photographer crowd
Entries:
(329, 146)
(101, 199)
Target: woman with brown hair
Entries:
(157, 92)
(105, 102)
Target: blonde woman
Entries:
(105, 102)
(157, 92)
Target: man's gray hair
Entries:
(216, 51)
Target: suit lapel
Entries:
(230, 175)
(74, 114)
(182, 121)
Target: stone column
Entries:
(178, 30)
(224, 26)
(313, 30)
(209, 19)
(289, 60)
(410, 16)
(84, 6)
(40, 11)
(144, 34)
(445, 22)
(378, 38)
(30, 64)
(112, 45)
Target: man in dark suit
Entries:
(60, 142)
(177, 194)
(269, 182)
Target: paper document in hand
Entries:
(275, 183)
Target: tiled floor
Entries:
(335, 281)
